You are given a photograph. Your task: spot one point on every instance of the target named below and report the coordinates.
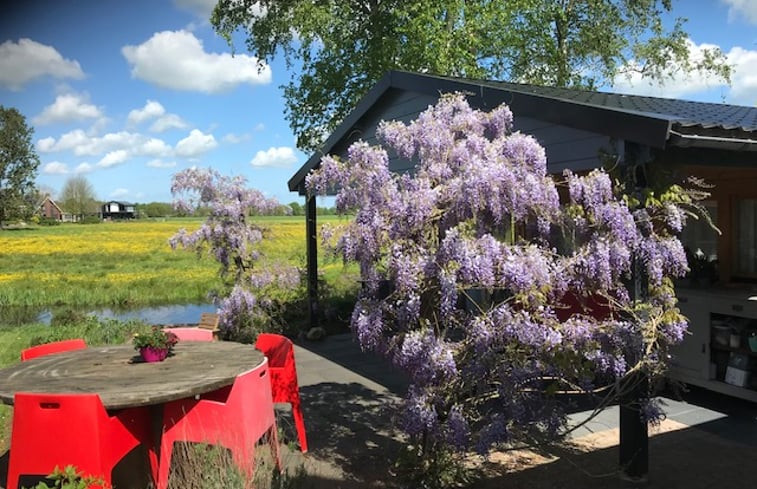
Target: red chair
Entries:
(55, 347)
(191, 334)
(236, 422)
(284, 387)
(52, 430)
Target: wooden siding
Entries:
(729, 185)
(566, 147)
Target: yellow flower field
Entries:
(120, 263)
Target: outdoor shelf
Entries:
(741, 349)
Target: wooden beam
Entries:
(312, 259)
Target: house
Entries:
(578, 129)
(49, 209)
(118, 210)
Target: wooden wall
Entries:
(566, 147)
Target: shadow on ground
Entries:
(350, 435)
(685, 458)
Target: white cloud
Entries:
(743, 80)
(67, 108)
(84, 145)
(168, 121)
(113, 158)
(195, 144)
(119, 192)
(26, 60)
(282, 157)
(259, 127)
(155, 110)
(177, 60)
(84, 168)
(153, 147)
(151, 110)
(236, 138)
(55, 168)
(46, 145)
(158, 163)
(739, 9)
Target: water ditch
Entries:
(163, 314)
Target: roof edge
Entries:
(296, 183)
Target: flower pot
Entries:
(150, 354)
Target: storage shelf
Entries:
(743, 350)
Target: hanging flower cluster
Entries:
(231, 238)
(496, 286)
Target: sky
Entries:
(127, 93)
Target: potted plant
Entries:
(155, 345)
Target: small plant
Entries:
(155, 338)
(69, 478)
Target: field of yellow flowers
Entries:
(122, 263)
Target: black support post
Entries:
(634, 437)
(312, 256)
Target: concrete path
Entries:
(707, 441)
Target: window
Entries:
(745, 229)
(699, 237)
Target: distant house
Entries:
(50, 210)
(118, 210)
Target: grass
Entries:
(128, 263)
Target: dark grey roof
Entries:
(651, 121)
(686, 113)
(120, 202)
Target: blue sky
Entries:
(127, 93)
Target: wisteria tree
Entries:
(233, 240)
(496, 286)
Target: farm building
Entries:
(118, 210)
(49, 209)
(579, 129)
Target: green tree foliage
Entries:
(157, 209)
(297, 209)
(342, 47)
(78, 197)
(18, 163)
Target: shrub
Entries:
(47, 221)
(90, 220)
(468, 264)
(233, 241)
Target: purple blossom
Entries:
(480, 215)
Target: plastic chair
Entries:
(236, 422)
(50, 348)
(280, 353)
(73, 429)
(191, 334)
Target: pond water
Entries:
(165, 314)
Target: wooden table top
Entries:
(121, 379)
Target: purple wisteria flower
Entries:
(480, 253)
(232, 239)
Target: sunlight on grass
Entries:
(129, 263)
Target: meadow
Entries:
(129, 263)
(80, 266)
